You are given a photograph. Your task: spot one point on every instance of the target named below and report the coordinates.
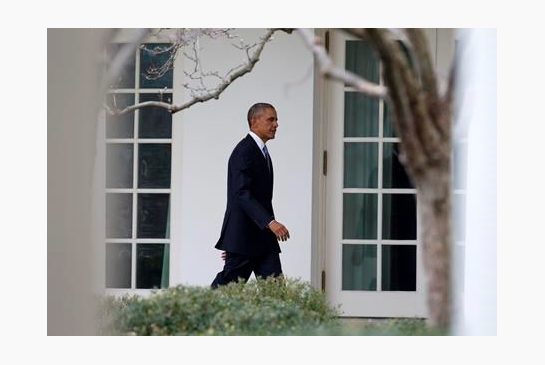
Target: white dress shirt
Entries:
(259, 142)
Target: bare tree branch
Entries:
(206, 94)
(449, 93)
(428, 78)
(424, 109)
(425, 64)
(328, 68)
(131, 108)
(399, 34)
(360, 33)
(396, 76)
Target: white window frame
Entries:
(379, 191)
(378, 303)
(135, 141)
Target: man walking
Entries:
(250, 234)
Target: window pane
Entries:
(360, 165)
(153, 215)
(152, 264)
(399, 267)
(359, 267)
(120, 126)
(360, 115)
(459, 165)
(119, 165)
(118, 215)
(399, 216)
(152, 57)
(394, 175)
(118, 265)
(155, 122)
(389, 130)
(154, 165)
(359, 216)
(362, 60)
(125, 78)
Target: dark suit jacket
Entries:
(249, 203)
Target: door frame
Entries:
(322, 275)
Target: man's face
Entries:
(265, 124)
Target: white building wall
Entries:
(204, 136)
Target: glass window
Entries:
(360, 115)
(153, 215)
(389, 130)
(152, 57)
(362, 60)
(359, 267)
(154, 165)
(119, 165)
(152, 265)
(118, 215)
(399, 216)
(359, 216)
(120, 126)
(399, 267)
(152, 162)
(369, 133)
(118, 265)
(155, 122)
(125, 78)
(360, 165)
(394, 175)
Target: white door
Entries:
(373, 257)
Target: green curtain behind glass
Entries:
(166, 255)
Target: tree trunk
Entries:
(435, 209)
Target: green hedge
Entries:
(259, 307)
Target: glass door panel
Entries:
(371, 246)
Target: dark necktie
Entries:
(267, 157)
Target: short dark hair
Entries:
(256, 109)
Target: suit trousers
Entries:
(238, 266)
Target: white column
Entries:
(72, 232)
(476, 110)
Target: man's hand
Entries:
(279, 230)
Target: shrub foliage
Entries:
(275, 306)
